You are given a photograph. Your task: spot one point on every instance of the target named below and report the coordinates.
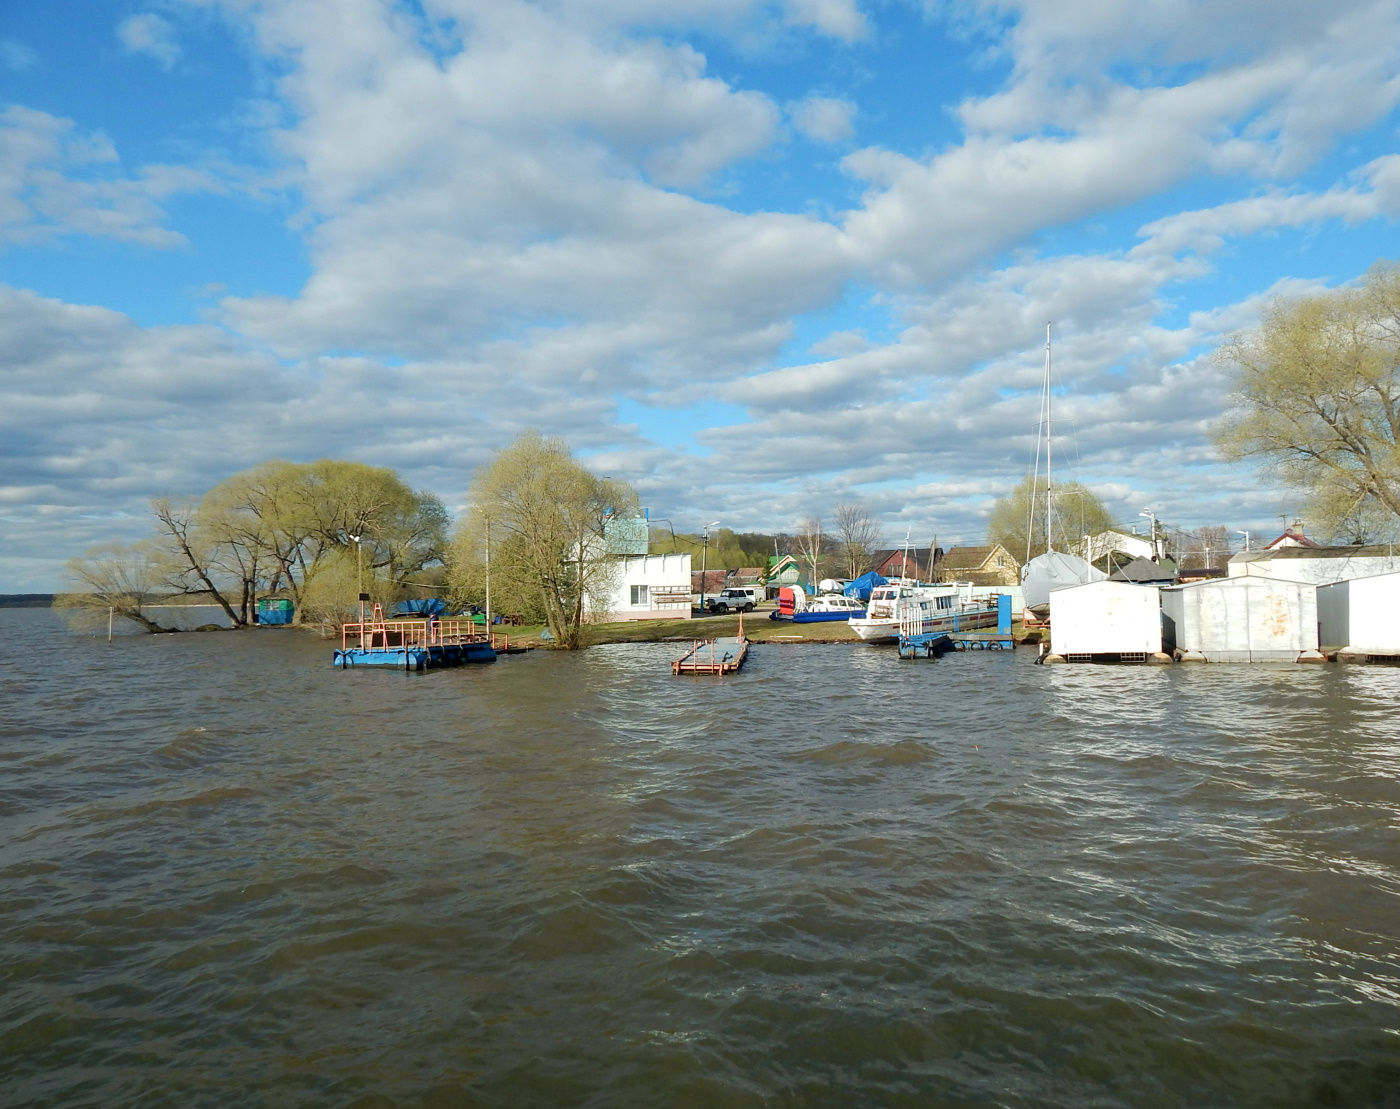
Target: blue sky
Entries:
(756, 256)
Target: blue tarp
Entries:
(862, 586)
(431, 606)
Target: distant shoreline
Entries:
(26, 600)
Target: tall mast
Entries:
(1049, 438)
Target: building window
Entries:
(639, 595)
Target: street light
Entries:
(1246, 538)
(359, 573)
(1153, 517)
(705, 558)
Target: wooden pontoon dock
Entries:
(723, 655)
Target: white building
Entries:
(1318, 565)
(647, 587)
(1241, 619)
(1106, 618)
(1114, 541)
(1360, 616)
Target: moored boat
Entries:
(933, 608)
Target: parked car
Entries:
(740, 598)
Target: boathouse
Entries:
(1360, 618)
(1318, 565)
(1106, 621)
(1241, 619)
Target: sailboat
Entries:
(1054, 569)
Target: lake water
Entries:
(233, 876)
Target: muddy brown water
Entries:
(233, 876)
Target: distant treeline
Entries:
(26, 600)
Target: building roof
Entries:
(1145, 570)
(1373, 550)
(1291, 538)
(971, 558)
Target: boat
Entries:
(938, 608)
(793, 605)
(1045, 573)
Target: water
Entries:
(233, 876)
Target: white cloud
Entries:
(56, 179)
(825, 119)
(840, 19)
(151, 35)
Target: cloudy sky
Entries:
(754, 256)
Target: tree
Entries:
(810, 546)
(1316, 400)
(118, 579)
(857, 534)
(547, 512)
(1018, 520)
(1209, 547)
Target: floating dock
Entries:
(920, 644)
(412, 644)
(723, 655)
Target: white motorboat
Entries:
(933, 608)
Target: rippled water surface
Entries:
(233, 876)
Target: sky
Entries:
(756, 257)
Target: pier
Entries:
(412, 644)
(722, 655)
(914, 642)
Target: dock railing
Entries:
(383, 634)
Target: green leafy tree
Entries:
(1019, 520)
(547, 511)
(1316, 402)
(120, 579)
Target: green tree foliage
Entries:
(1018, 520)
(1316, 402)
(546, 514)
(284, 527)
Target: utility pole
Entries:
(1156, 552)
(704, 560)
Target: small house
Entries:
(1241, 619)
(907, 562)
(1106, 621)
(991, 565)
(1360, 618)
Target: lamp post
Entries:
(705, 559)
(488, 575)
(1156, 556)
(359, 573)
(1246, 538)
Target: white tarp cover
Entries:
(1048, 572)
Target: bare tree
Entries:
(1207, 548)
(810, 545)
(117, 579)
(858, 535)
